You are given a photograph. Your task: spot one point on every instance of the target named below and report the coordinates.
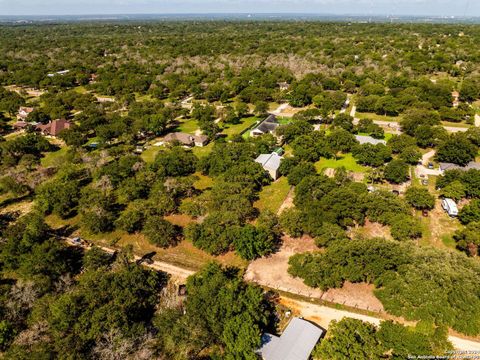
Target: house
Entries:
(267, 126)
(23, 112)
(53, 128)
(296, 342)
(364, 139)
(270, 163)
(187, 139)
(450, 166)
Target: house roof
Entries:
(296, 342)
(364, 139)
(54, 127)
(451, 166)
(269, 161)
(270, 124)
(185, 138)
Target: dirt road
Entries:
(176, 272)
(323, 315)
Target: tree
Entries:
(470, 213)
(329, 233)
(420, 198)
(455, 190)
(457, 149)
(404, 227)
(341, 140)
(343, 121)
(411, 155)
(298, 172)
(396, 171)
(349, 339)
(291, 222)
(175, 162)
(468, 238)
(160, 232)
(372, 155)
(231, 312)
(251, 243)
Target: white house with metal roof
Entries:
(270, 163)
(296, 343)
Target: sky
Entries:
(327, 7)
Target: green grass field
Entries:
(272, 196)
(149, 154)
(377, 117)
(203, 151)
(347, 161)
(234, 129)
(54, 158)
(187, 126)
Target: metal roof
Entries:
(363, 139)
(296, 342)
(269, 161)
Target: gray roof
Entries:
(363, 139)
(296, 342)
(269, 161)
(270, 124)
(451, 166)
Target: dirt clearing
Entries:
(272, 272)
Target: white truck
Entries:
(450, 207)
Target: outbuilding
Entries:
(296, 343)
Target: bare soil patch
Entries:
(273, 272)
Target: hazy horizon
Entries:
(436, 8)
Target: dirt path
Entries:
(175, 271)
(288, 202)
(323, 315)
(477, 120)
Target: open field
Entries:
(272, 196)
(235, 129)
(189, 126)
(347, 161)
(376, 117)
(54, 158)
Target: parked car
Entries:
(425, 182)
(425, 212)
(430, 165)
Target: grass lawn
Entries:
(272, 196)
(347, 161)
(149, 154)
(234, 129)
(54, 158)
(454, 124)
(203, 182)
(282, 120)
(202, 151)
(377, 117)
(188, 126)
(386, 137)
